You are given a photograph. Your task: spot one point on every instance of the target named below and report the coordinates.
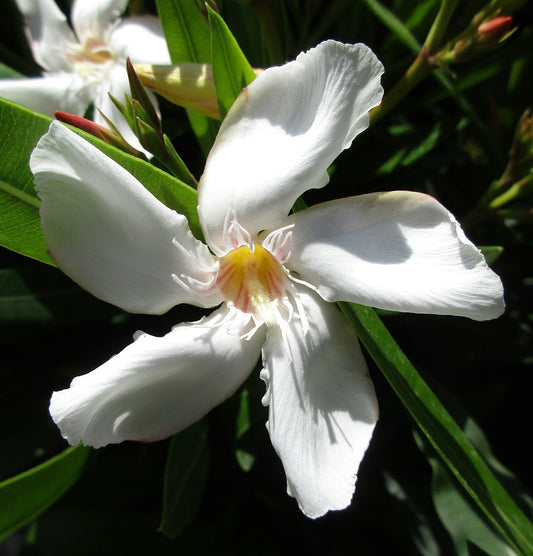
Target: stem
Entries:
(515, 190)
(422, 65)
(412, 77)
(438, 29)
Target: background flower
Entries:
(84, 64)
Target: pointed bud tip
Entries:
(82, 123)
(493, 30)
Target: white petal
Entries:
(59, 91)
(49, 34)
(94, 19)
(141, 39)
(322, 406)
(116, 83)
(284, 131)
(158, 386)
(108, 233)
(399, 251)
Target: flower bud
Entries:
(187, 85)
(492, 31)
(111, 137)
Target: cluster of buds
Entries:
(143, 118)
(489, 28)
(517, 179)
(477, 39)
(520, 163)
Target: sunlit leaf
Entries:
(491, 253)
(20, 229)
(231, 70)
(25, 496)
(189, 40)
(441, 430)
(390, 20)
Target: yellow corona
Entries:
(251, 280)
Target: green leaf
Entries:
(189, 40)
(25, 496)
(9, 73)
(39, 294)
(393, 24)
(491, 253)
(462, 519)
(20, 229)
(441, 430)
(185, 477)
(186, 31)
(231, 70)
(243, 423)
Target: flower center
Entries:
(93, 57)
(251, 280)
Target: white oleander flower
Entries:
(83, 65)
(273, 275)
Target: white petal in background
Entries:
(94, 19)
(46, 94)
(140, 38)
(284, 131)
(107, 232)
(399, 251)
(50, 36)
(156, 387)
(322, 406)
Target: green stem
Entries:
(513, 192)
(26, 197)
(422, 65)
(436, 33)
(412, 77)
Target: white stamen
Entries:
(203, 262)
(233, 234)
(279, 243)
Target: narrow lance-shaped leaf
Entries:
(20, 230)
(458, 513)
(231, 70)
(188, 39)
(185, 476)
(441, 430)
(25, 496)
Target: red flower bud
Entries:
(83, 124)
(112, 137)
(493, 30)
